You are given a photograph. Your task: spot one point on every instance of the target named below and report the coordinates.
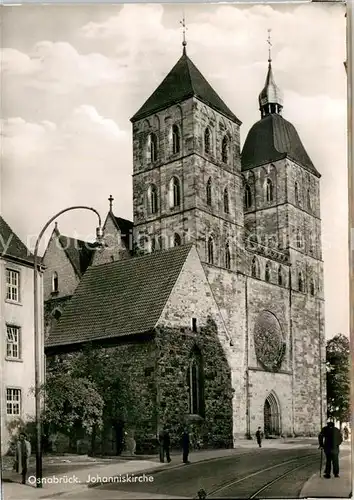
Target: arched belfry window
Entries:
(226, 201)
(176, 140)
(269, 190)
(225, 149)
(208, 192)
(300, 282)
(195, 381)
(55, 282)
(176, 240)
(152, 147)
(280, 276)
(211, 250)
(227, 256)
(255, 268)
(267, 272)
(309, 204)
(312, 287)
(297, 200)
(207, 141)
(175, 192)
(152, 199)
(248, 196)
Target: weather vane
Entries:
(269, 41)
(183, 23)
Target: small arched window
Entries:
(280, 276)
(267, 272)
(211, 250)
(226, 201)
(309, 204)
(208, 192)
(269, 190)
(152, 147)
(176, 240)
(225, 149)
(227, 256)
(152, 244)
(300, 282)
(176, 140)
(152, 199)
(55, 282)
(255, 268)
(175, 192)
(297, 201)
(248, 196)
(207, 141)
(298, 239)
(312, 287)
(195, 385)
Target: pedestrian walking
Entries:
(329, 440)
(259, 437)
(185, 445)
(23, 453)
(164, 441)
(346, 433)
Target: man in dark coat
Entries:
(185, 445)
(23, 453)
(329, 440)
(164, 441)
(259, 436)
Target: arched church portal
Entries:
(272, 425)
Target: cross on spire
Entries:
(184, 28)
(269, 41)
(111, 200)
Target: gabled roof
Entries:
(120, 298)
(11, 246)
(78, 252)
(273, 138)
(181, 83)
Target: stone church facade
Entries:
(253, 218)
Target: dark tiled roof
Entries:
(273, 138)
(181, 83)
(12, 246)
(119, 298)
(78, 252)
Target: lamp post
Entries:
(39, 342)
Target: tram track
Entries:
(306, 460)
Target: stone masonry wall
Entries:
(114, 247)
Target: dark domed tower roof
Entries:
(182, 82)
(273, 138)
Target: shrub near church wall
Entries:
(174, 348)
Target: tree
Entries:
(338, 378)
(71, 403)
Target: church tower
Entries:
(282, 211)
(187, 169)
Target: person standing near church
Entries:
(259, 436)
(329, 440)
(185, 445)
(164, 441)
(23, 453)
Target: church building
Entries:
(217, 306)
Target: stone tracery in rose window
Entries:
(269, 342)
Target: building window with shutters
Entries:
(12, 285)
(13, 342)
(13, 401)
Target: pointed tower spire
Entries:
(184, 28)
(270, 99)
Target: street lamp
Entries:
(38, 346)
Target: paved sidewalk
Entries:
(318, 486)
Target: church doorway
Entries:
(271, 417)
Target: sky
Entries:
(73, 76)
